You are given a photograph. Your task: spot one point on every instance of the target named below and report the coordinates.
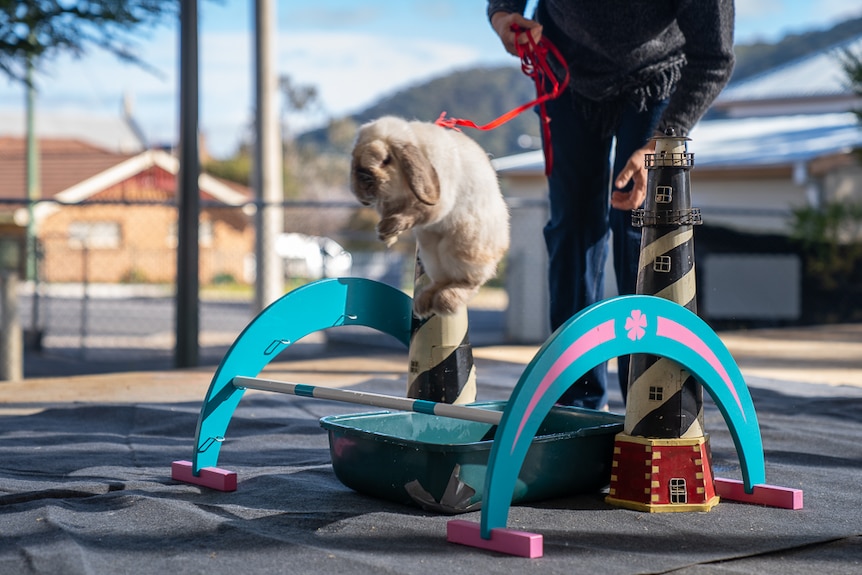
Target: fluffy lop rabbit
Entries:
(439, 183)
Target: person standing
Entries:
(637, 68)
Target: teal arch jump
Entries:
(314, 307)
(608, 329)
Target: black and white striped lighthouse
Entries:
(663, 400)
(440, 355)
(661, 459)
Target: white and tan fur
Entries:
(439, 183)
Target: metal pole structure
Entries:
(11, 339)
(268, 182)
(187, 309)
(374, 399)
(34, 192)
(85, 294)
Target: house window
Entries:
(656, 393)
(677, 490)
(663, 194)
(205, 234)
(94, 235)
(661, 264)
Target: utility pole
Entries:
(268, 182)
(34, 185)
(187, 319)
(34, 192)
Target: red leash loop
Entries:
(534, 63)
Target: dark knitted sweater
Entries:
(621, 51)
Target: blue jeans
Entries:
(581, 219)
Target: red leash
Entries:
(534, 63)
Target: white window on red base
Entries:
(677, 490)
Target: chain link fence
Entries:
(102, 297)
(104, 283)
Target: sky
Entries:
(352, 51)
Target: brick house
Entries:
(111, 217)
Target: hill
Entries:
(752, 59)
(477, 94)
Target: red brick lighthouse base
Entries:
(662, 475)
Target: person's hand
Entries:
(502, 24)
(634, 171)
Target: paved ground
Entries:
(86, 474)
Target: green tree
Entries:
(38, 30)
(235, 169)
(851, 62)
(831, 236)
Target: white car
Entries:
(312, 257)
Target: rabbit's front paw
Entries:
(388, 229)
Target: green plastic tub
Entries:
(439, 463)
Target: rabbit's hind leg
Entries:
(443, 299)
(423, 302)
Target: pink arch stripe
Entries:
(672, 330)
(600, 334)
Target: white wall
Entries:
(527, 317)
(755, 205)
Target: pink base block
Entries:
(212, 477)
(507, 541)
(769, 495)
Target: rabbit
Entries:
(441, 184)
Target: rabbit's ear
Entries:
(420, 175)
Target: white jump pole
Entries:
(374, 399)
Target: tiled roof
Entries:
(71, 171)
(63, 163)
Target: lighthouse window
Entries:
(677, 490)
(661, 264)
(656, 393)
(663, 194)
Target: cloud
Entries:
(758, 9)
(351, 70)
(321, 17)
(834, 11)
(770, 20)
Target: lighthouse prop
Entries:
(661, 459)
(440, 356)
